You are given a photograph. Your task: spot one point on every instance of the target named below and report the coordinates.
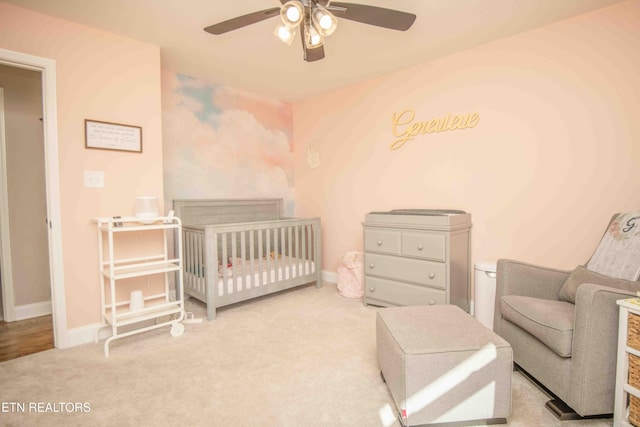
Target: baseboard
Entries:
(86, 334)
(329, 276)
(36, 309)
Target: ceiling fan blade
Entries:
(314, 54)
(242, 21)
(310, 55)
(373, 15)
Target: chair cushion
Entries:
(549, 321)
(581, 275)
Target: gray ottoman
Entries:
(443, 366)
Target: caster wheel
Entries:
(177, 329)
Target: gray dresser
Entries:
(417, 257)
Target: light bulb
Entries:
(293, 14)
(326, 22)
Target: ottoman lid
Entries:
(437, 329)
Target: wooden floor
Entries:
(25, 337)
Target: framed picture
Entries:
(112, 136)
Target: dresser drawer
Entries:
(421, 272)
(424, 245)
(397, 293)
(387, 242)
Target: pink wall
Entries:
(554, 154)
(100, 76)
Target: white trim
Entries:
(29, 311)
(330, 276)
(6, 268)
(50, 122)
(87, 334)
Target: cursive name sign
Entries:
(405, 129)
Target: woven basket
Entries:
(633, 341)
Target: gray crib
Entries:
(238, 249)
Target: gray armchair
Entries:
(567, 343)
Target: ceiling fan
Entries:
(316, 19)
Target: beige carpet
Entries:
(305, 357)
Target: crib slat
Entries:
(252, 265)
(291, 272)
(225, 269)
(243, 255)
(211, 272)
(297, 244)
(234, 254)
(309, 243)
(194, 261)
(260, 258)
(268, 255)
(304, 245)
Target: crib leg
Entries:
(318, 283)
(211, 312)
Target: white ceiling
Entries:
(252, 59)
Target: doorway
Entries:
(24, 245)
(46, 214)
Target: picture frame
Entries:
(112, 136)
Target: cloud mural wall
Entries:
(222, 143)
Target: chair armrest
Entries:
(520, 278)
(594, 349)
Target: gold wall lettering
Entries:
(406, 129)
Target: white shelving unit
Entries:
(165, 307)
(623, 388)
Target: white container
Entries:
(146, 207)
(485, 292)
(136, 301)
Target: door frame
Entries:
(47, 67)
(6, 271)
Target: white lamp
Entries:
(146, 207)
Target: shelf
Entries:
(128, 317)
(131, 223)
(144, 269)
(158, 307)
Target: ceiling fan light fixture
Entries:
(323, 20)
(313, 38)
(292, 13)
(285, 33)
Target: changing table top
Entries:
(419, 217)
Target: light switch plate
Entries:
(94, 179)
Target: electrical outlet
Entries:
(94, 179)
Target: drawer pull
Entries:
(432, 275)
(372, 289)
(432, 302)
(379, 243)
(371, 265)
(420, 247)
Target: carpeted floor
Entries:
(304, 357)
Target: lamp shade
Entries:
(313, 38)
(292, 13)
(323, 20)
(285, 33)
